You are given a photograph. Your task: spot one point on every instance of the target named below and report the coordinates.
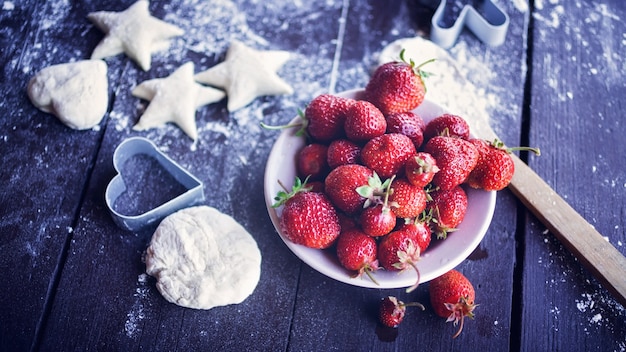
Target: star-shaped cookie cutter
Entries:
(483, 17)
(130, 147)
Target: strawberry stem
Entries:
(530, 149)
(414, 286)
(500, 145)
(302, 125)
(415, 304)
(460, 328)
(368, 272)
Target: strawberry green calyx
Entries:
(425, 167)
(418, 68)
(459, 311)
(375, 190)
(388, 191)
(407, 259)
(367, 269)
(425, 217)
(392, 310)
(442, 230)
(284, 195)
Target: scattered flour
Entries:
(60, 10)
(596, 305)
(137, 312)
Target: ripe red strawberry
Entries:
(398, 251)
(407, 200)
(341, 186)
(325, 116)
(421, 169)
(455, 158)
(322, 120)
(343, 151)
(357, 251)
(308, 218)
(447, 125)
(397, 86)
(312, 162)
(387, 154)
(407, 123)
(379, 219)
(391, 311)
(364, 121)
(448, 208)
(420, 228)
(452, 296)
(495, 167)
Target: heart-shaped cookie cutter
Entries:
(483, 17)
(137, 146)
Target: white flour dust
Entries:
(599, 309)
(135, 316)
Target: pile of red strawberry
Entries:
(375, 182)
(379, 181)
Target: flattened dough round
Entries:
(75, 92)
(203, 258)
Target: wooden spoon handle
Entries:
(604, 261)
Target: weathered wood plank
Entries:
(373, 25)
(45, 167)
(576, 119)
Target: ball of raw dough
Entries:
(77, 92)
(203, 258)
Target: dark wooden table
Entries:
(71, 280)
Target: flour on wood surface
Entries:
(210, 27)
(138, 311)
(599, 308)
(8, 6)
(203, 258)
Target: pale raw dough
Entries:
(77, 92)
(175, 99)
(246, 74)
(134, 32)
(203, 258)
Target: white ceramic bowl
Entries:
(439, 258)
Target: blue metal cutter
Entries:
(483, 17)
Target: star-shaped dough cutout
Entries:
(174, 99)
(246, 74)
(133, 31)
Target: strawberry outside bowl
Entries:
(440, 257)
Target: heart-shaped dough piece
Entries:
(75, 92)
